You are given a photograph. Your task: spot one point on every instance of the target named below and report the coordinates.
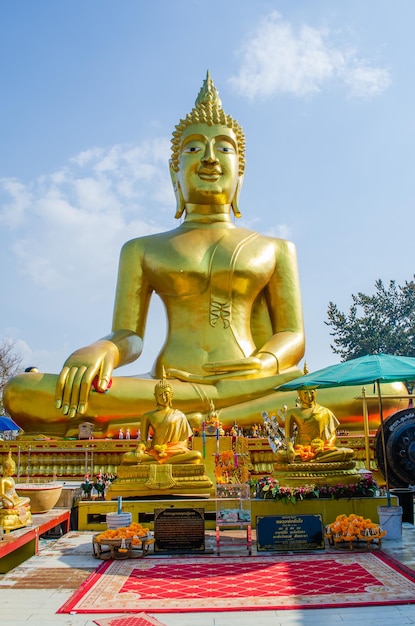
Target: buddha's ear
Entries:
(180, 204)
(235, 201)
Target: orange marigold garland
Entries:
(309, 452)
(136, 532)
(353, 528)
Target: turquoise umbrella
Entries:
(372, 368)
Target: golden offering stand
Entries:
(298, 474)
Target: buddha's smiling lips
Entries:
(212, 175)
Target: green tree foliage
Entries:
(382, 322)
(10, 364)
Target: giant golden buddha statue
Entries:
(231, 295)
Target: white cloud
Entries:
(365, 81)
(12, 213)
(73, 221)
(278, 59)
(280, 231)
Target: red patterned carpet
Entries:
(140, 619)
(157, 585)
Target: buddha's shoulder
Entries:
(156, 240)
(147, 241)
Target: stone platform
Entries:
(92, 514)
(154, 480)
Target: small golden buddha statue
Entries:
(170, 433)
(310, 451)
(14, 510)
(163, 462)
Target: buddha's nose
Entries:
(209, 155)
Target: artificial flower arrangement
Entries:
(230, 467)
(269, 488)
(353, 528)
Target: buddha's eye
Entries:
(191, 148)
(225, 148)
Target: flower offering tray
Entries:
(355, 544)
(126, 542)
(107, 549)
(354, 532)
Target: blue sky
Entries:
(90, 93)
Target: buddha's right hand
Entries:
(78, 373)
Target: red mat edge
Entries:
(396, 565)
(117, 618)
(84, 587)
(94, 576)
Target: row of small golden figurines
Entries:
(58, 471)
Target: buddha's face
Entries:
(208, 165)
(163, 396)
(307, 397)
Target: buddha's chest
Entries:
(190, 264)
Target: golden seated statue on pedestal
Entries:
(311, 455)
(14, 510)
(162, 463)
(232, 300)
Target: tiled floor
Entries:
(31, 593)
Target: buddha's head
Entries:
(163, 391)
(9, 466)
(208, 128)
(307, 397)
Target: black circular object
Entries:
(399, 434)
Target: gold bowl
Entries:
(43, 496)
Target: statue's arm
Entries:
(123, 345)
(287, 344)
(333, 424)
(144, 429)
(4, 488)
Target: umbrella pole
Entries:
(366, 429)
(382, 434)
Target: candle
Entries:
(204, 439)
(119, 505)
